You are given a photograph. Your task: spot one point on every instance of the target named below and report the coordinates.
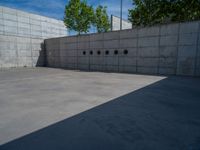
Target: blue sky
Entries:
(55, 8)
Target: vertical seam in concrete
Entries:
(17, 55)
(31, 51)
(31, 44)
(122, 56)
(105, 57)
(45, 55)
(111, 23)
(159, 36)
(60, 53)
(1, 65)
(77, 42)
(137, 49)
(4, 31)
(31, 38)
(177, 48)
(197, 48)
(29, 35)
(104, 63)
(89, 52)
(119, 40)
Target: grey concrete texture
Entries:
(18, 23)
(20, 52)
(54, 109)
(22, 37)
(170, 49)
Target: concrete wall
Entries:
(171, 49)
(115, 23)
(22, 35)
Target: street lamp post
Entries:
(121, 15)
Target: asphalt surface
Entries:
(57, 109)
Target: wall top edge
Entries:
(125, 30)
(29, 13)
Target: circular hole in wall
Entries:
(84, 52)
(99, 52)
(91, 52)
(116, 52)
(125, 52)
(107, 52)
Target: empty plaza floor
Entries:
(57, 109)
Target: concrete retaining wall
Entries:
(171, 49)
(22, 35)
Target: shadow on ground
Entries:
(162, 116)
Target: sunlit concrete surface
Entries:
(51, 109)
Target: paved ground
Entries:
(46, 109)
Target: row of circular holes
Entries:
(106, 52)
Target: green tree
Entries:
(101, 19)
(150, 12)
(78, 16)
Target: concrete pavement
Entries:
(51, 109)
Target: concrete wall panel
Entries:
(148, 41)
(11, 17)
(169, 49)
(188, 39)
(167, 62)
(83, 39)
(169, 29)
(111, 44)
(148, 52)
(124, 34)
(72, 39)
(96, 37)
(186, 66)
(132, 52)
(187, 51)
(127, 61)
(127, 69)
(83, 67)
(22, 40)
(83, 60)
(148, 31)
(96, 44)
(111, 61)
(147, 70)
(125, 43)
(148, 62)
(169, 40)
(9, 10)
(111, 35)
(167, 71)
(189, 27)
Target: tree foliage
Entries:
(150, 12)
(101, 19)
(78, 16)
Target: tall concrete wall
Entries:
(22, 35)
(171, 49)
(115, 23)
